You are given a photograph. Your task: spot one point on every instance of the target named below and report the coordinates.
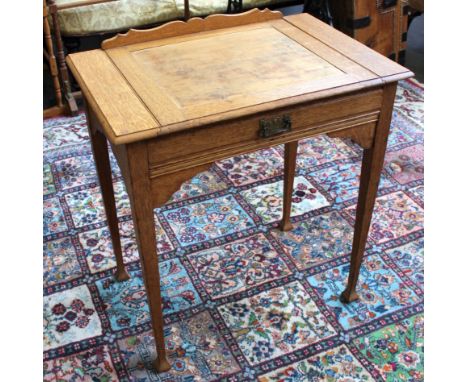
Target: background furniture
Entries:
(57, 67)
(49, 56)
(319, 9)
(121, 15)
(418, 5)
(148, 94)
(65, 14)
(379, 24)
(83, 24)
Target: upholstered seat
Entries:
(115, 15)
(121, 15)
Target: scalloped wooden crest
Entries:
(194, 25)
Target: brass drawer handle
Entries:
(274, 126)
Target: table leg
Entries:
(143, 220)
(101, 159)
(372, 162)
(290, 154)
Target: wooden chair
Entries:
(65, 97)
(58, 66)
(49, 55)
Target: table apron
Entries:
(177, 151)
(218, 153)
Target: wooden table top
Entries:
(183, 75)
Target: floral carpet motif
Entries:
(381, 291)
(267, 199)
(207, 220)
(395, 215)
(201, 184)
(275, 322)
(60, 261)
(317, 239)
(397, 350)
(242, 300)
(69, 316)
(250, 168)
(333, 365)
(341, 180)
(406, 165)
(94, 364)
(322, 149)
(256, 262)
(98, 250)
(195, 349)
(125, 302)
(53, 218)
(75, 171)
(48, 180)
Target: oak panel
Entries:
(119, 111)
(353, 49)
(173, 106)
(220, 138)
(173, 79)
(255, 77)
(192, 26)
(178, 83)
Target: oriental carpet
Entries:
(242, 300)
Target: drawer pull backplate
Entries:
(274, 126)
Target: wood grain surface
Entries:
(187, 75)
(174, 99)
(117, 106)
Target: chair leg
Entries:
(63, 71)
(51, 57)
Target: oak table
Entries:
(174, 99)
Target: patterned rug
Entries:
(242, 300)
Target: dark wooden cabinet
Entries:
(379, 24)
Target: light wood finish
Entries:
(101, 159)
(363, 134)
(175, 99)
(138, 186)
(290, 154)
(372, 163)
(194, 25)
(161, 71)
(120, 111)
(387, 69)
(222, 140)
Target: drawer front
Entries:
(204, 145)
